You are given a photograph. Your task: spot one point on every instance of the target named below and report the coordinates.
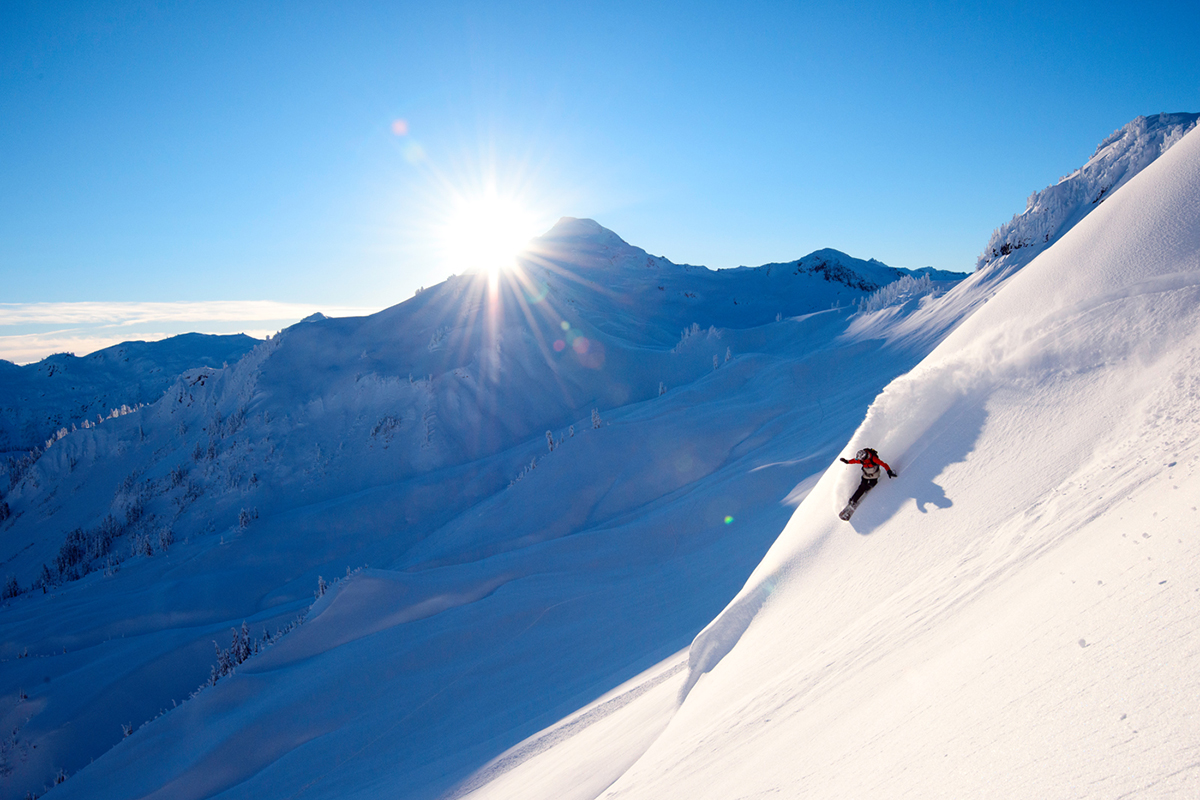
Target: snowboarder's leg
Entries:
(865, 486)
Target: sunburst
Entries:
(485, 231)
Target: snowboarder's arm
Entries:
(891, 473)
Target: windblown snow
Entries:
(460, 548)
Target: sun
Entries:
(485, 232)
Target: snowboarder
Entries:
(871, 463)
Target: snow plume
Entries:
(1051, 212)
(912, 405)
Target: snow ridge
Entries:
(1054, 210)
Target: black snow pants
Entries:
(865, 486)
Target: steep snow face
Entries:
(1017, 610)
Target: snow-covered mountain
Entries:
(520, 466)
(62, 390)
(517, 506)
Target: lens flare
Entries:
(414, 153)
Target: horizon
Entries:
(330, 159)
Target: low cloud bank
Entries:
(31, 331)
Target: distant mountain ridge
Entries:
(63, 389)
(578, 254)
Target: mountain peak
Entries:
(583, 229)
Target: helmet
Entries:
(861, 454)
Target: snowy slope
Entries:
(497, 584)
(1013, 616)
(62, 390)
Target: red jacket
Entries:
(870, 466)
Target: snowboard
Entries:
(848, 511)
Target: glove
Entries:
(844, 461)
(891, 474)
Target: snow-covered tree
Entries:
(1055, 209)
(895, 292)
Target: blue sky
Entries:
(229, 152)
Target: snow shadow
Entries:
(936, 497)
(948, 442)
